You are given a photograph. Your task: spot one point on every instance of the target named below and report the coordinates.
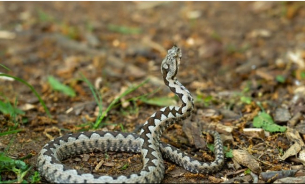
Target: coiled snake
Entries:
(148, 142)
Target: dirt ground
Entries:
(239, 59)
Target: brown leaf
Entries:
(194, 135)
(293, 136)
(244, 158)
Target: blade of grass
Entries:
(129, 90)
(35, 178)
(140, 97)
(9, 132)
(7, 108)
(19, 167)
(97, 96)
(124, 29)
(5, 67)
(15, 112)
(32, 89)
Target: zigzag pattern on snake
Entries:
(148, 142)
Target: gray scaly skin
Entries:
(148, 142)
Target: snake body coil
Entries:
(148, 142)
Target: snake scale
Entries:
(147, 142)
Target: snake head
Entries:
(170, 63)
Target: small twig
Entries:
(236, 172)
(293, 121)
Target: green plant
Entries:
(246, 99)
(265, 121)
(32, 89)
(116, 100)
(280, 78)
(159, 101)
(58, 86)
(70, 31)
(124, 29)
(206, 100)
(247, 171)
(216, 36)
(7, 108)
(97, 96)
(131, 109)
(44, 16)
(124, 167)
(231, 48)
(106, 156)
(35, 178)
(281, 151)
(9, 132)
(228, 152)
(303, 75)
(89, 27)
(18, 167)
(13, 112)
(122, 127)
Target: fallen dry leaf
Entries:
(244, 158)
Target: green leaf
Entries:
(160, 101)
(58, 86)
(7, 108)
(248, 171)
(246, 100)
(303, 75)
(124, 29)
(35, 178)
(228, 153)
(125, 166)
(43, 16)
(216, 36)
(265, 121)
(111, 105)
(122, 127)
(205, 100)
(280, 78)
(211, 147)
(9, 132)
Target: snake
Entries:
(147, 142)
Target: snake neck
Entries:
(158, 122)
